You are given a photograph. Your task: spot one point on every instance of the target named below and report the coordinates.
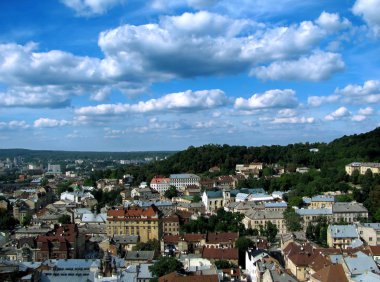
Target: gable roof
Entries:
(331, 273)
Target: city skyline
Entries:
(118, 75)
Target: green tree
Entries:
(165, 265)
(150, 245)
(196, 199)
(243, 243)
(292, 220)
(7, 222)
(27, 220)
(171, 192)
(64, 219)
(269, 230)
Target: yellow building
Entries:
(362, 167)
(341, 236)
(322, 201)
(144, 222)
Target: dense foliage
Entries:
(224, 264)
(222, 221)
(292, 220)
(317, 232)
(165, 265)
(150, 245)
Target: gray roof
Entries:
(264, 214)
(276, 205)
(343, 231)
(214, 194)
(348, 207)
(322, 211)
(184, 175)
(139, 255)
(366, 277)
(375, 226)
(123, 239)
(281, 277)
(323, 198)
(360, 264)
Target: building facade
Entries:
(135, 220)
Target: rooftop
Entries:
(343, 231)
(348, 207)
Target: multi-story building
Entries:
(160, 184)
(256, 218)
(341, 236)
(213, 200)
(370, 233)
(362, 167)
(170, 225)
(349, 212)
(322, 201)
(247, 169)
(310, 215)
(181, 181)
(135, 220)
(63, 242)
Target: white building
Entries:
(160, 184)
(181, 181)
(54, 169)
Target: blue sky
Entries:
(115, 75)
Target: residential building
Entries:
(135, 257)
(181, 181)
(256, 218)
(135, 220)
(186, 243)
(310, 215)
(247, 169)
(176, 277)
(362, 167)
(170, 224)
(341, 236)
(214, 254)
(370, 233)
(53, 169)
(213, 200)
(63, 242)
(349, 212)
(160, 184)
(221, 239)
(322, 201)
(358, 264)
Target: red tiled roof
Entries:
(375, 250)
(216, 237)
(171, 218)
(220, 254)
(134, 211)
(331, 273)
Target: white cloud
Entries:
(47, 122)
(316, 101)
(293, 120)
(91, 7)
(338, 114)
(366, 111)
(135, 56)
(270, 99)
(370, 11)
(332, 22)
(188, 101)
(287, 113)
(368, 93)
(14, 124)
(316, 67)
(358, 118)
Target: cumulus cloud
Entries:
(369, 92)
(316, 101)
(366, 111)
(14, 124)
(270, 99)
(316, 67)
(135, 56)
(91, 7)
(338, 114)
(293, 120)
(47, 122)
(369, 10)
(358, 118)
(188, 101)
(332, 22)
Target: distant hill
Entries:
(45, 155)
(361, 147)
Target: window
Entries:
(370, 239)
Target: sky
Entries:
(132, 75)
